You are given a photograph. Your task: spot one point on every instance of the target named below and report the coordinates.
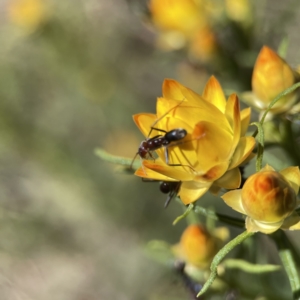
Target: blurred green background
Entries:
(71, 77)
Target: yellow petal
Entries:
(255, 226)
(180, 16)
(292, 175)
(144, 122)
(245, 119)
(214, 94)
(267, 168)
(196, 108)
(230, 180)
(222, 233)
(191, 114)
(251, 99)
(179, 173)
(213, 145)
(191, 191)
(233, 116)
(233, 199)
(295, 227)
(150, 174)
(180, 153)
(243, 150)
(292, 222)
(172, 89)
(213, 174)
(167, 106)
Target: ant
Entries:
(170, 187)
(167, 187)
(160, 140)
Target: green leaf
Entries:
(219, 256)
(219, 217)
(283, 47)
(260, 147)
(260, 131)
(117, 159)
(288, 260)
(273, 102)
(248, 267)
(188, 210)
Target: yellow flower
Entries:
(179, 15)
(27, 13)
(183, 23)
(215, 145)
(271, 76)
(197, 246)
(203, 44)
(269, 200)
(239, 11)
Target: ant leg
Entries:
(175, 165)
(173, 194)
(130, 168)
(157, 129)
(153, 128)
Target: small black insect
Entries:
(170, 187)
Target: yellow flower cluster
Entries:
(189, 23)
(200, 142)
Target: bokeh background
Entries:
(72, 73)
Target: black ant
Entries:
(170, 187)
(159, 141)
(167, 187)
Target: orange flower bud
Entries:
(271, 76)
(268, 197)
(197, 246)
(269, 200)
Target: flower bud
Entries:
(197, 246)
(271, 76)
(268, 197)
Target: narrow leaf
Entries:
(273, 102)
(219, 256)
(260, 147)
(188, 210)
(248, 267)
(219, 217)
(288, 260)
(116, 159)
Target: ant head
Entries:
(143, 149)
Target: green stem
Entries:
(219, 257)
(288, 141)
(288, 261)
(219, 217)
(185, 214)
(116, 159)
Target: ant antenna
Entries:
(161, 117)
